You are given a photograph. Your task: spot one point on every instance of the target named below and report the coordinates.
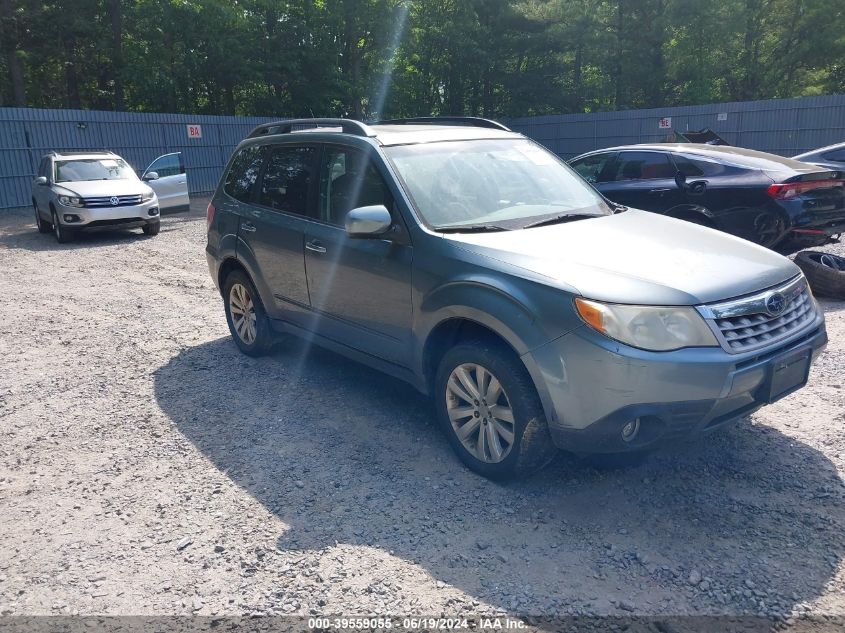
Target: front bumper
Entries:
(592, 386)
(103, 218)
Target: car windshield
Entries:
(93, 169)
(506, 183)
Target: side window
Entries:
(688, 167)
(643, 166)
(348, 180)
(287, 179)
(243, 174)
(591, 167)
(44, 168)
(837, 156)
(167, 165)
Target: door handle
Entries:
(315, 246)
(248, 227)
(660, 191)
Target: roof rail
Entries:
(79, 152)
(472, 121)
(349, 126)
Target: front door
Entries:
(360, 289)
(171, 186)
(644, 180)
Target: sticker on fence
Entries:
(665, 123)
(194, 131)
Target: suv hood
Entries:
(637, 257)
(92, 188)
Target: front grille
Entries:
(106, 201)
(748, 324)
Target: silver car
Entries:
(86, 191)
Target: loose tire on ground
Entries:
(531, 447)
(824, 271)
(245, 314)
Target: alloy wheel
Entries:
(242, 309)
(480, 413)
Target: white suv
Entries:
(83, 191)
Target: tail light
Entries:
(789, 190)
(209, 214)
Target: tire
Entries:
(531, 447)
(151, 229)
(820, 269)
(43, 227)
(253, 339)
(63, 235)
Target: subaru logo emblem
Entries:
(114, 201)
(775, 303)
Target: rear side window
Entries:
(244, 173)
(593, 168)
(693, 167)
(287, 179)
(836, 155)
(643, 166)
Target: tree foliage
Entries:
(367, 58)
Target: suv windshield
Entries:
(93, 169)
(509, 183)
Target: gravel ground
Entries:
(148, 468)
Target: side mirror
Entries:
(368, 221)
(150, 175)
(41, 180)
(680, 180)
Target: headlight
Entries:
(654, 328)
(70, 201)
(146, 197)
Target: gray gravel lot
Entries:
(146, 467)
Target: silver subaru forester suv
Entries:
(76, 191)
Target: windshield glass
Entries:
(508, 182)
(93, 169)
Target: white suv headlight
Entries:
(70, 201)
(655, 328)
(146, 197)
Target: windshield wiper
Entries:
(470, 228)
(560, 219)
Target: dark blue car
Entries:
(761, 197)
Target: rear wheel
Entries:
(490, 411)
(43, 227)
(62, 234)
(246, 316)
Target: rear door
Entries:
(644, 179)
(360, 288)
(171, 186)
(272, 227)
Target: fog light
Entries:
(69, 217)
(153, 211)
(630, 430)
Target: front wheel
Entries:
(63, 235)
(43, 227)
(246, 316)
(490, 411)
(151, 229)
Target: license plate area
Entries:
(787, 373)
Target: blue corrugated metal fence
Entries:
(781, 126)
(26, 134)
